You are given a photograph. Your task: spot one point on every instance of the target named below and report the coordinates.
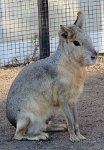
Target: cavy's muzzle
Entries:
(94, 55)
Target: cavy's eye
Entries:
(76, 43)
(65, 35)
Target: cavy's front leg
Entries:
(69, 118)
(73, 107)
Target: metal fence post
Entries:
(43, 28)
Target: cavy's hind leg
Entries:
(22, 127)
(28, 130)
(37, 137)
(36, 130)
(51, 127)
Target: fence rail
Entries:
(30, 27)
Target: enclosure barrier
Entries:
(29, 28)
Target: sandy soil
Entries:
(91, 116)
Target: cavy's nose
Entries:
(94, 55)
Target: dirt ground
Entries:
(91, 116)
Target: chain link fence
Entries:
(20, 27)
(18, 31)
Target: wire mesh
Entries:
(18, 31)
(19, 28)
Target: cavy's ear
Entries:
(65, 31)
(64, 28)
(80, 20)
